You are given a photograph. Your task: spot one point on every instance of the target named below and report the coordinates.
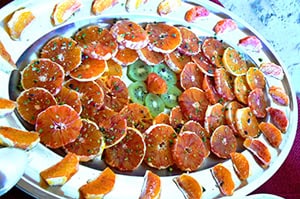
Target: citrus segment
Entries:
(191, 44)
(246, 123)
(64, 10)
(213, 49)
(250, 43)
(6, 106)
(204, 64)
(191, 76)
(211, 93)
(176, 61)
(279, 96)
(195, 13)
(225, 25)
(162, 118)
(6, 56)
(240, 165)
(241, 89)
(167, 6)
(156, 84)
(234, 62)
(125, 56)
(255, 78)
(177, 119)
(99, 6)
(69, 97)
(189, 186)
(257, 103)
(214, 117)
(149, 56)
(151, 186)
(279, 118)
(272, 70)
(272, 133)
(230, 112)
(223, 179)
(224, 84)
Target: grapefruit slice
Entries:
(189, 186)
(240, 165)
(64, 10)
(250, 43)
(151, 186)
(223, 178)
(191, 76)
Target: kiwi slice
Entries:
(138, 71)
(154, 104)
(166, 73)
(137, 92)
(171, 97)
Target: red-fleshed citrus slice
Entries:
(89, 70)
(241, 89)
(189, 186)
(204, 64)
(149, 56)
(125, 56)
(89, 144)
(214, 117)
(208, 85)
(193, 104)
(225, 25)
(33, 101)
(255, 78)
(167, 6)
(191, 76)
(137, 116)
(91, 96)
(113, 69)
(223, 178)
(64, 10)
(99, 6)
(230, 111)
(156, 84)
(159, 139)
(151, 186)
(129, 153)
(188, 151)
(271, 132)
(279, 118)
(99, 187)
(258, 103)
(195, 13)
(130, 34)
(62, 171)
(272, 70)
(163, 38)
(176, 61)
(58, 125)
(213, 49)
(234, 62)
(69, 97)
(97, 42)
(259, 150)
(43, 73)
(13, 137)
(191, 44)
(177, 118)
(162, 118)
(240, 165)
(279, 96)
(6, 106)
(64, 51)
(223, 142)
(246, 123)
(250, 43)
(224, 84)
(6, 55)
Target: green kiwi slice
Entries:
(171, 97)
(137, 92)
(138, 71)
(166, 73)
(154, 104)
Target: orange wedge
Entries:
(64, 10)
(167, 6)
(251, 43)
(151, 187)
(225, 25)
(234, 63)
(279, 96)
(278, 118)
(272, 70)
(223, 179)
(156, 84)
(189, 186)
(6, 56)
(240, 165)
(195, 13)
(6, 106)
(100, 5)
(272, 133)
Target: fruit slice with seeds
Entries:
(191, 76)
(166, 73)
(234, 62)
(151, 186)
(138, 71)
(155, 104)
(171, 97)
(223, 178)
(189, 186)
(69, 97)
(64, 10)
(191, 44)
(255, 78)
(240, 165)
(177, 119)
(125, 56)
(176, 61)
(246, 123)
(213, 49)
(149, 56)
(137, 92)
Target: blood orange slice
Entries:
(213, 49)
(64, 51)
(272, 133)
(113, 69)
(195, 13)
(206, 67)
(149, 56)
(240, 165)
(234, 62)
(230, 111)
(224, 84)
(223, 178)
(191, 44)
(246, 123)
(279, 96)
(241, 89)
(251, 43)
(125, 56)
(225, 25)
(258, 103)
(6, 106)
(64, 10)
(214, 117)
(100, 5)
(159, 139)
(176, 118)
(162, 118)
(189, 186)
(255, 78)
(33, 101)
(89, 144)
(69, 97)
(272, 70)
(43, 73)
(176, 61)
(151, 187)
(211, 93)
(279, 118)
(191, 76)
(156, 84)
(58, 125)
(129, 153)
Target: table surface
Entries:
(274, 20)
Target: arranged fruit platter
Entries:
(141, 99)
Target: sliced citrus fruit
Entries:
(43, 73)
(251, 43)
(188, 151)
(166, 73)
(151, 186)
(189, 186)
(213, 49)
(176, 61)
(171, 97)
(113, 69)
(214, 117)
(223, 178)
(258, 103)
(18, 22)
(167, 6)
(130, 34)
(191, 76)
(89, 143)
(225, 25)
(240, 165)
(138, 71)
(259, 150)
(159, 139)
(195, 13)
(97, 42)
(156, 84)
(279, 96)
(230, 118)
(224, 84)
(103, 115)
(193, 104)
(191, 44)
(234, 62)
(64, 10)
(13, 137)
(176, 118)
(255, 78)
(149, 56)
(272, 70)
(204, 64)
(6, 56)
(163, 38)
(100, 5)
(70, 97)
(6, 106)
(279, 118)
(271, 132)
(33, 101)
(246, 123)
(208, 85)
(64, 51)
(241, 89)
(58, 125)
(89, 70)
(62, 171)
(162, 118)
(132, 5)
(138, 92)
(125, 56)
(100, 186)
(155, 104)
(129, 153)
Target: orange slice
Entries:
(33, 101)
(6, 106)
(162, 118)
(97, 42)
(251, 43)
(13, 137)
(6, 56)
(62, 171)
(272, 133)
(279, 96)
(189, 186)
(89, 144)
(159, 139)
(129, 153)
(225, 25)
(149, 56)
(163, 38)
(246, 123)
(191, 76)
(125, 56)
(272, 70)
(132, 5)
(130, 34)
(279, 118)
(113, 69)
(177, 119)
(18, 22)
(240, 165)
(191, 44)
(255, 78)
(214, 117)
(99, 187)
(195, 13)
(258, 103)
(64, 51)
(206, 67)
(241, 89)
(188, 151)
(234, 62)
(176, 61)
(151, 187)
(211, 93)
(64, 10)
(213, 49)
(43, 73)
(223, 178)
(156, 84)
(101, 5)
(230, 112)
(224, 84)
(167, 6)
(69, 97)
